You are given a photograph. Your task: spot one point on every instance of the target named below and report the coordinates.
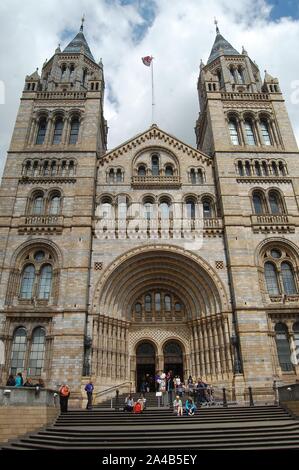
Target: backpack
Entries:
(137, 408)
(64, 391)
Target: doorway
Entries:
(173, 359)
(145, 366)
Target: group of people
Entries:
(18, 381)
(198, 390)
(135, 407)
(178, 409)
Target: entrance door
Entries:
(145, 366)
(173, 359)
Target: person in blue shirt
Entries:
(89, 389)
(19, 380)
(190, 407)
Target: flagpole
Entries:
(153, 96)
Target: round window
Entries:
(275, 254)
(39, 255)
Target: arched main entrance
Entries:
(173, 358)
(145, 365)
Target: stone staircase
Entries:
(259, 427)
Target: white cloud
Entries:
(181, 34)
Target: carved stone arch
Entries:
(115, 285)
(156, 149)
(40, 243)
(276, 242)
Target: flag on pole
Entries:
(147, 60)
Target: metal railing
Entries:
(107, 392)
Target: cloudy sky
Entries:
(178, 33)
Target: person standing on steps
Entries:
(64, 393)
(89, 390)
(19, 380)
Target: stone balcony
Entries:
(269, 223)
(151, 181)
(61, 95)
(284, 298)
(41, 223)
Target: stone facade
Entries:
(94, 256)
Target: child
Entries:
(178, 406)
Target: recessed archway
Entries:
(145, 366)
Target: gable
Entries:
(156, 138)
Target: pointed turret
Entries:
(79, 44)
(221, 46)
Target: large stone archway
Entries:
(202, 325)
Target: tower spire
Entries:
(216, 23)
(82, 22)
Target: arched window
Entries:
(240, 168)
(111, 175)
(275, 202)
(54, 207)
(45, 282)
(38, 205)
(53, 169)
(41, 133)
(35, 168)
(27, 282)
(233, 131)
(281, 169)
(71, 168)
(157, 301)
(148, 210)
(141, 170)
(119, 176)
(232, 74)
(46, 169)
(240, 75)
(190, 209)
(75, 125)
(257, 169)
(37, 353)
(58, 131)
(168, 170)
(258, 203)
(274, 168)
(167, 303)
(138, 307)
(271, 279)
(265, 169)
(288, 279)
(247, 169)
(207, 208)
(249, 132)
(148, 303)
(265, 132)
(283, 347)
(164, 209)
(18, 351)
(155, 165)
(193, 176)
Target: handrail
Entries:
(111, 389)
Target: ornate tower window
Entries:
(38, 204)
(283, 347)
(258, 201)
(265, 132)
(275, 202)
(27, 282)
(75, 125)
(37, 352)
(207, 208)
(190, 209)
(41, 132)
(168, 170)
(58, 131)
(18, 351)
(240, 75)
(141, 170)
(155, 165)
(257, 168)
(279, 273)
(45, 282)
(271, 278)
(249, 132)
(233, 131)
